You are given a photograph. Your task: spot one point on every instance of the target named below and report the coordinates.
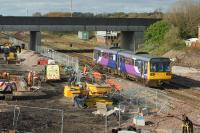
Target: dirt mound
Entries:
(187, 57)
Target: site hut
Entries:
(107, 37)
(84, 35)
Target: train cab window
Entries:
(160, 67)
(166, 67)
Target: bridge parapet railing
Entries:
(59, 57)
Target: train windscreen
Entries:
(160, 65)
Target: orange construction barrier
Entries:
(30, 78)
(114, 84)
(84, 70)
(97, 75)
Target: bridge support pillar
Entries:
(131, 40)
(35, 40)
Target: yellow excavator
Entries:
(10, 52)
(93, 92)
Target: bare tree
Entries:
(37, 14)
(185, 14)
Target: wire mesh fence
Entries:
(135, 102)
(59, 57)
(31, 119)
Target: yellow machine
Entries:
(12, 56)
(91, 102)
(10, 52)
(74, 90)
(98, 89)
(89, 89)
(94, 92)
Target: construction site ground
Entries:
(40, 121)
(76, 120)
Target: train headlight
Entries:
(152, 74)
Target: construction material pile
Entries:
(30, 58)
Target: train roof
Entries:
(113, 50)
(144, 57)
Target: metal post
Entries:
(71, 7)
(26, 11)
(134, 46)
(119, 115)
(14, 118)
(62, 121)
(156, 99)
(106, 125)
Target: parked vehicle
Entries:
(51, 72)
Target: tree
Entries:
(186, 16)
(156, 32)
(37, 14)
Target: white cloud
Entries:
(19, 7)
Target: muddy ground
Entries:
(43, 120)
(83, 121)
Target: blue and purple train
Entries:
(140, 66)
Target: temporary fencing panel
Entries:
(59, 57)
(31, 119)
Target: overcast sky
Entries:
(22, 7)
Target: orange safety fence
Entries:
(97, 75)
(114, 84)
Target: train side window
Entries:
(114, 57)
(105, 55)
(122, 59)
(128, 61)
(133, 62)
(110, 56)
(99, 53)
(138, 63)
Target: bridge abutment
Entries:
(35, 40)
(131, 40)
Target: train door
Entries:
(119, 62)
(139, 65)
(145, 68)
(96, 54)
(142, 68)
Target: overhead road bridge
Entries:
(132, 28)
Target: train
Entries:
(140, 66)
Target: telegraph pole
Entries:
(71, 7)
(26, 11)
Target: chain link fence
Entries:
(26, 119)
(59, 57)
(132, 102)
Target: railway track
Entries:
(173, 89)
(190, 96)
(83, 59)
